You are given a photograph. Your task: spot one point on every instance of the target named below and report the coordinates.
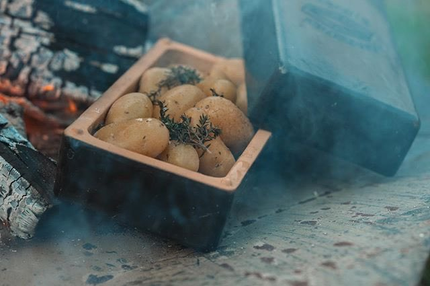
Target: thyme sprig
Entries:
(153, 94)
(182, 131)
(176, 76)
(180, 75)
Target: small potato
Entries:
(129, 106)
(178, 100)
(206, 85)
(222, 87)
(194, 114)
(236, 129)
(217, 73)
(242, 98)
(181, 155)
(217, 161)
(151, 79)
(147, 136)
(233, 68)
(106, 133)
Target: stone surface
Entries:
(334, 225)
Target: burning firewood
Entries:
(26, 186)
(14, 113)
(56, 58)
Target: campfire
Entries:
(50, 72)
(44, 121)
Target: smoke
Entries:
(411, 34)
(277, 181)
(210, 25)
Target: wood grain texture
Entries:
(21, 204)
(14, 113)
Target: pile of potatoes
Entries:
(133, 121)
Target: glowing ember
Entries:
(3, 99)
(47, 88)
(72, 107)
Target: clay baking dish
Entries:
(147, 193)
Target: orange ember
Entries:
(72, 107)
(3, 99)
(49, 87)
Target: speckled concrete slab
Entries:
(374, 231)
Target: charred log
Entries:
(58, 56)
(68, 48)
(26, 185)
(14, 113)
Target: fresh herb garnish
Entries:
(183, 132)
(153, 94)
(176, 76)
(180, 75)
